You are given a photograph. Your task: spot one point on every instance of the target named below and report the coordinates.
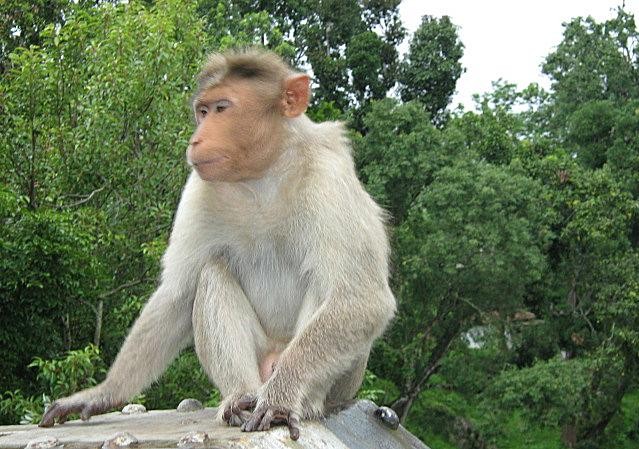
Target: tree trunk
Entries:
(98, 323)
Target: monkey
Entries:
(276, 269)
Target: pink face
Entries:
(239, 132)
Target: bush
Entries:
(59, 377)
(551, 392)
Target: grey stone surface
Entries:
(354, 427)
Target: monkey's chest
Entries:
(269, 273)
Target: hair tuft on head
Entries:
(244, 63)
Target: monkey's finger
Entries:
(241, 409)
(228, 412)
(86, 414)
(252, 424)
(50, 414)
(247, 402)
(265, 424)
(235, 421)
(294, 426)
(57, 412)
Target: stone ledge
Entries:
(354, 427)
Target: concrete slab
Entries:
(354, 427)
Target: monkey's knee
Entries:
(347, 385)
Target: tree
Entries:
(430, 70)
(397, 158)
(22, 22)
(350, 46)
(593, 62)
(589, 281)
(493, 132)
(471, 244)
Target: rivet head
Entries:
(388, 417)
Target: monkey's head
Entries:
(241, 106)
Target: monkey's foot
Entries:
(238, 410)
(264, 416)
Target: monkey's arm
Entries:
(163, 328)
(158, 335)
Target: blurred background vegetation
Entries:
(515, 226)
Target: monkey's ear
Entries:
(296, 95)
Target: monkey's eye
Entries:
(202, 111)
(221, 105)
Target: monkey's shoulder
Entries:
(333, 198)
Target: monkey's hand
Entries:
(87, 403)
(271, 412)
(264, 416)
(237, 408)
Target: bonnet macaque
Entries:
(277, 264)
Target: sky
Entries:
(506, 39)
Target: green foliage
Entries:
(57, 378)
(513, 431)
(30, 17)
(550, 392)
(439, 416)
(481, 224)
(593, 62)
(76, 371)
(50, 275)
(590, 131)
(183, 379)
(493, 133)
(398, 155)
(534, 341)
(380, 391)
(623, 430)
(469, 371)
(324, 111)
(16, 408)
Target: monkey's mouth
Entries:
(207, 162)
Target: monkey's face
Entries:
(239, 132)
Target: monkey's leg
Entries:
(339, 332)
(228, 340)
(346, 386)
(150, 346)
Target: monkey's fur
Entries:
(293, 262)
